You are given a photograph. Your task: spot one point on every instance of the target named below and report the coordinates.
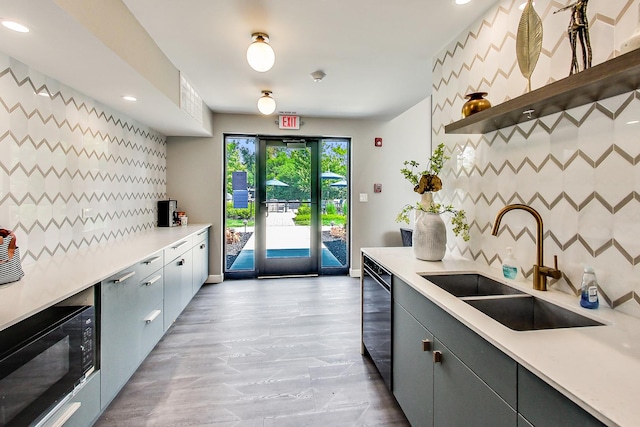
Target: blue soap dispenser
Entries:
(589, 290)
(510, 266)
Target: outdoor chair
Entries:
(407, 236)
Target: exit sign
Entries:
(289, 122)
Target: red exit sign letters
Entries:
(289, 122)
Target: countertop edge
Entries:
(68, 274)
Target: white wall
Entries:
(195, 171)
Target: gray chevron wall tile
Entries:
(65, 152)
(579, 168)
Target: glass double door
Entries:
(286, 206)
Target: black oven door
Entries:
(42, 359)
(376, 321)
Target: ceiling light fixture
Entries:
(15, 26)
(318, 75)
(266, 104)
(260, 54)
(462, 1)
(129, 98)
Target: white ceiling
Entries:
(377, 54)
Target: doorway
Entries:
(286, 206)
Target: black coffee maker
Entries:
(167, 213)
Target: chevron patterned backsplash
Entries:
(580, 168)
(62, 152)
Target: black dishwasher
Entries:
(376, 316)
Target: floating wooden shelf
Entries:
(614, 77)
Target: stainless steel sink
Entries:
(513, 308)
(467, 285)
(528, 313)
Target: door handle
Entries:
(437, 357)
(426, 345)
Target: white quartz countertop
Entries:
(596, 367)
(52, 280)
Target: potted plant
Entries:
(429, 234)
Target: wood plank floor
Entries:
(270, 352)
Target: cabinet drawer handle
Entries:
(153, 280)
(68, 413)
(152, 260)
(181, 262)
(152, 316)
(202, 246)
(178, 245)
(426, 345)
(125, 277)
(437, 357)
(201, 233)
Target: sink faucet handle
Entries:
(555, 272)
(555, 262)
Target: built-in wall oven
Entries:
(42, 359)
(376, 316)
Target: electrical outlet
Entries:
(364, 197)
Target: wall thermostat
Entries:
(377, 188)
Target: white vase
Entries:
(632, 42)
(429, 233)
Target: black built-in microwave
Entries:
(42, 359)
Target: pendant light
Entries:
(266, 104)
(260, 54)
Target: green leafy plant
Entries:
(429, 181)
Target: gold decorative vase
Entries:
(476, 103)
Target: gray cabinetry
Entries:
(412, 367)
(118, 344)
(82, 409)
(462, 398)
(465, 380)
(200, 260)
(542, 405)
(475, 384)
(130, 322)
(178, 283)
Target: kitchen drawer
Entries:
(151, 329)
(542, 405)
(201, 237)
(494, 367)
(151, 291)
(177, 249)
(150, 264)
(82, 409)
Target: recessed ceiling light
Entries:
(12, 25)
(129, 98)
(462, 1)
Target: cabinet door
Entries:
(119, 344)
(82, 409)
(543, 405)
(412, 367)
(172, 291)
(200, 264)
(461, 398)
(186, 279)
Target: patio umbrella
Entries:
(276, 183)
(331, 175)
(341, 183)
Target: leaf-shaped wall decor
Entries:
(529, 41)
